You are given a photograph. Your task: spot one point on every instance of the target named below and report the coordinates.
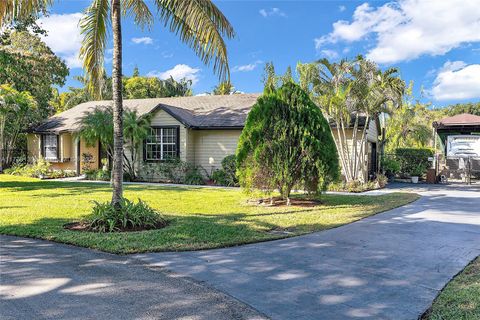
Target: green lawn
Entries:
(199, 218)
(460, 299)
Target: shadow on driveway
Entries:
(43, 280)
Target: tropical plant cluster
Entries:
(132, 216)
(39, 169)
(351, 93)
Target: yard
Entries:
(200, 218)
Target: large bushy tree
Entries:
(18, 110)
(28, 64)
(286, 143)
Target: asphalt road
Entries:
(388, 266)
(46, 280)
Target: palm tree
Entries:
(136, 129)
(347, 91)
(224, 88)
(199, 24)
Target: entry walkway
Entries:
(388, 266)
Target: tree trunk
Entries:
(117, 168)
(2, 129)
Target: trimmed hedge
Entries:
(412, 161)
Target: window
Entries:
(49, 146)
(162, 144)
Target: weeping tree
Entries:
(286, 143)
(347, 92)
(199, 24)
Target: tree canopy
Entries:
(286, 143)
(28, 64)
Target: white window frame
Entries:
(159, 142)
(48, 144)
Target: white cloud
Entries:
(457, 80)
(247, 67)
(142, 40)
(64, 36)
(330, 54)
(407, 29)
(180, 71)
(342, 8)
(272, 12)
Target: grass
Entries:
(199, 218)
(460, 299)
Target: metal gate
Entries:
(458, 169)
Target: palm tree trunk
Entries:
(117, 170)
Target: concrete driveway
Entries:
(46, 280)
(388, 266)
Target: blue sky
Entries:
(435, 43)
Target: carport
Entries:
(459, 155)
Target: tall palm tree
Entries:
(198, 23)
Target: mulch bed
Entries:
(278, 202)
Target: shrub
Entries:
(356, 186)
(229, 165)
(413, 161)
(194, 176)
(390, 166)
(98, 174)
(131, 216)
(36, 170)
(286, 143)
(381, 180)
(227, 176)
(175, 171)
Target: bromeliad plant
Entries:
(131, 217)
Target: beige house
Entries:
(201, 130)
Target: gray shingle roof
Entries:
(200, 112)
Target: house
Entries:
(201, 130)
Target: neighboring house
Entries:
(201, 130)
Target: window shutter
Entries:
(42, 145)
(58, 146)
(178, 141)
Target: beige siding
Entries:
(93, 150)
(161, 118)
(190, 145)
(67, 150)
(211, 146)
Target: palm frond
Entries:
(94, 27)
(202, 26)
(140, 12)
(11, 10)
